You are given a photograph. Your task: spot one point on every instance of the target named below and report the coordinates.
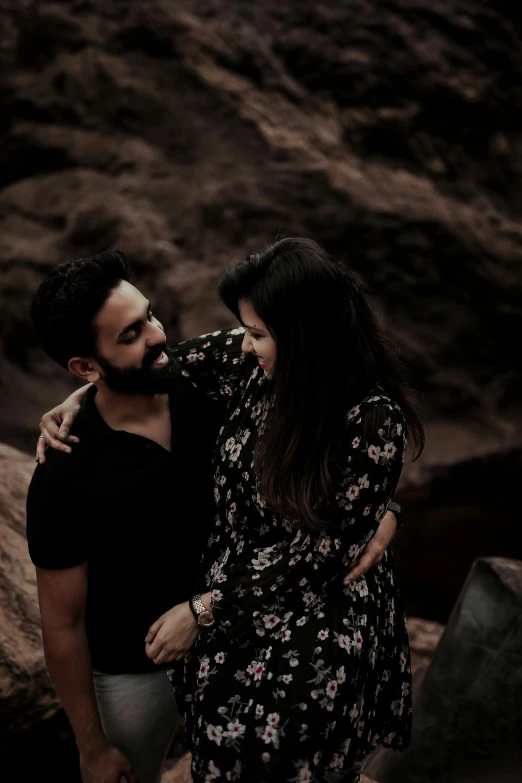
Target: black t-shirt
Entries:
(136, 513)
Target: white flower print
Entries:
(235, 451)
(270, 620)
(260, 563)
(389, 450)
(331, 689)
(271, 734)
(337, 761)
(215, 733)
(213, 773)
(352, 493)
(374, 452)
(235, 729)
(343, 641)
(325, 545)
(265, 586)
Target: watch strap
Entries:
(191, 606)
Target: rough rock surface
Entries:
(179, 772)
(26, 694)
(467, 712)
(191, 133)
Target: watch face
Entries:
(206, 619)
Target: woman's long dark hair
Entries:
(331, 353)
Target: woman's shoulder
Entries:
(377, 399)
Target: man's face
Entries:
(133, 356)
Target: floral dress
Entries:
(301, 677)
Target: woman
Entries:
(292, 677)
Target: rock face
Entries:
(192, 133)
(26, 694)
(468, 711)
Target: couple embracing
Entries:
(221, 510)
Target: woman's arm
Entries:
(261, 585)
(55, 425)
(213, 361)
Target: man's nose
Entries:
(156, 335)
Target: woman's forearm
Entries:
(78, 395)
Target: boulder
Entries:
(26, 694)
(468, 712)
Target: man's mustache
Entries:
(155, 353)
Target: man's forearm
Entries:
(69, 663)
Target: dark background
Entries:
(191, 133)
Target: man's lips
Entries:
(161, 361)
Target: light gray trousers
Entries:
(139, 715)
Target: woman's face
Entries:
(258, 339)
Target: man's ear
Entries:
(84, 369)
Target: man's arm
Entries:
(62, 595)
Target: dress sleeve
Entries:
(261, 589)
(397, 510)
(213, 362)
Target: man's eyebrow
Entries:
(134, 324)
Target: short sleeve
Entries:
(397, 510)
(56, 526)
(213, 362)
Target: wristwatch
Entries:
(203, 617)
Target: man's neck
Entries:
(121, 411)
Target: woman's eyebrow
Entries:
(257, 328)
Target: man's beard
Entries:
(145, 379)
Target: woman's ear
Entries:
(84, 369)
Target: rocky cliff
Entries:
(191, 133)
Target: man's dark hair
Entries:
(65, 305)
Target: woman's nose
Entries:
(246, 345)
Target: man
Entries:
(116, 526)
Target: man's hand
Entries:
(172, 636)
(374, 550)
(106, 765)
